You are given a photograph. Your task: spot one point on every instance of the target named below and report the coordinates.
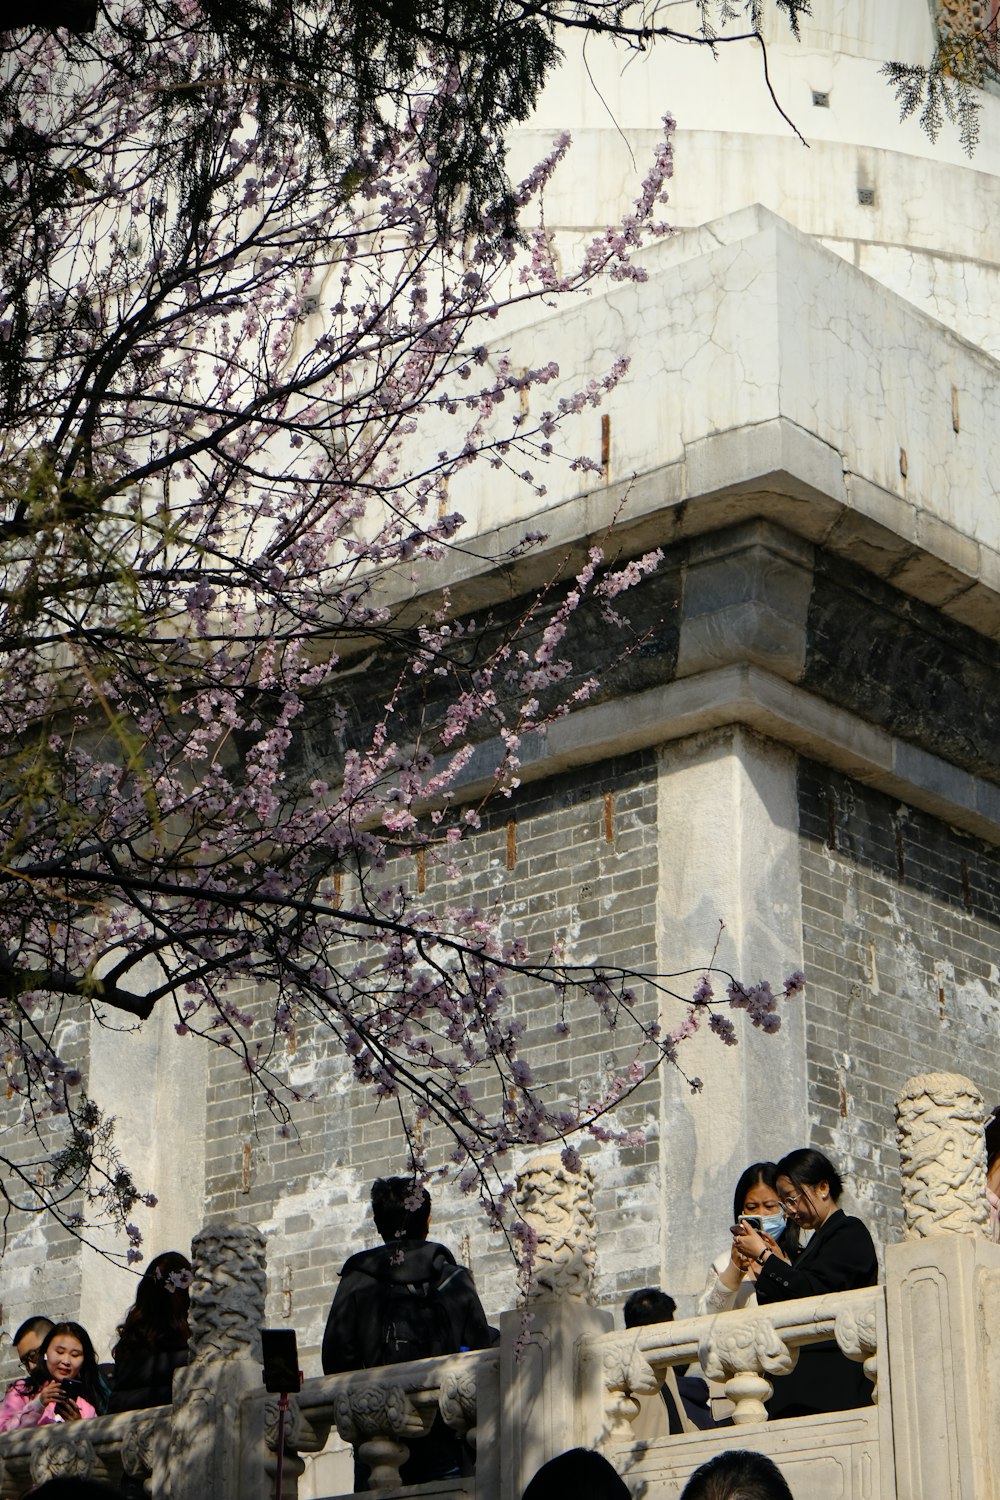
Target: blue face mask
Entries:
(773, 1224)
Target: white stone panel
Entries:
(729, 852)
(155, 1085)
(744, 324)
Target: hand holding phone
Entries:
(66, 1400)
(748, 1241)
(50, 1391)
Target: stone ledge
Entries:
(773, 471)
(776, 709)
(769, 379)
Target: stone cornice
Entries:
(769, 378)
(779, 710)
(769, 632)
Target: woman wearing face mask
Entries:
(63, 1387)
(839, 1257)
(731, 1282)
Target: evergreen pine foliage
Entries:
(949, 88)
(356, 60)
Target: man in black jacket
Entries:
(406, 1299)
(650, 1305)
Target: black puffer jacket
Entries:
(145, 1378)
(355, 1329)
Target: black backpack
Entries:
(415, 1321)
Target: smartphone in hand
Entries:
(66, 1401)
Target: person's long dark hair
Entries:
(767, 1173)
(89, 1375)
(157, 1321)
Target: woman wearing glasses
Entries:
(731, 1280)
(839, 1256)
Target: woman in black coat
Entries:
(153, 1340)
(839, 1256)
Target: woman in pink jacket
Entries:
(63, 1387)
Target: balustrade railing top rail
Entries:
(739, 1349)
(805, 1321)
(320, 1394)
(102, 1448)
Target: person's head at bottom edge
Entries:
(737, 1474)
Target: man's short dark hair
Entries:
(395, 1219)
(737, 1475)
(649, 1305)
(37, 1324)
(578, 1472)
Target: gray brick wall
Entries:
(40, 1259)
(901, 919)
(584, 870)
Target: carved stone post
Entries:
(942, 1153)
(217, 1444)
(142, 1445)
(623, 1376)
(739, 1351)
(458, 1401)
(551, 1399)
(558, 1207)
(857, 1337)
(943, 1299)
(379, 1418)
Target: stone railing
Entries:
(380, 1412)
(739, 1350)
(562, 1378)
(110, 1449)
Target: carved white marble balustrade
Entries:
(106, 1448)
(379, 1412)
(738, 1350)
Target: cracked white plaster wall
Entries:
(748, 320)
(700, 336)
(881, 375)
(964, 294)
(733, 148)
(160, 1131)
(728, 849)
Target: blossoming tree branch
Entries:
(241, 365)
